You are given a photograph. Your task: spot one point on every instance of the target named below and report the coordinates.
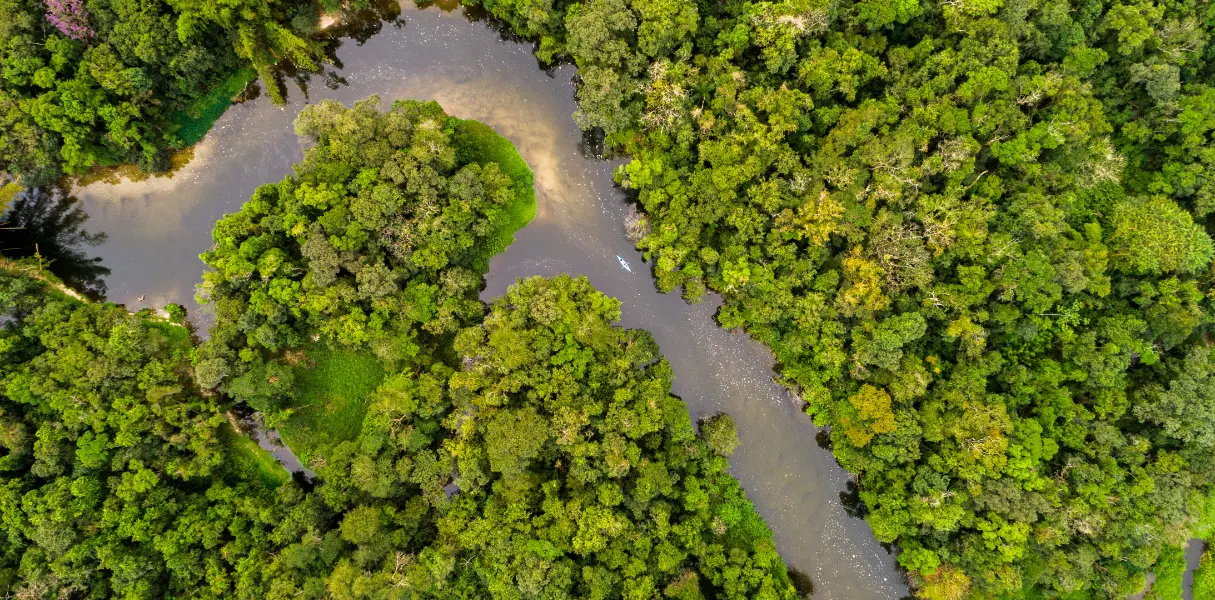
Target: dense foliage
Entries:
(1204, 577)
(532, 452)
(374, 241)
(576, 473)
(580, 475)
(972, 231)
(111, 473)
(106, 82)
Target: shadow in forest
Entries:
(50, 224)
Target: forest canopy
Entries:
(976, 234)
(575, 472)
(111, 82)
(113, 481)
(530, 449)
(378, 238)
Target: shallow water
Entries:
(158, 227)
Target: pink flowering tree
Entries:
(70, 17)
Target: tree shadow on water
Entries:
(592, 144)
(50, 224)
(851, 499)
(357, 22)
(364, 23)
(801, 582)
(823, 438)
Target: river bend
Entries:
(157, 228)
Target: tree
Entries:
(109, 450)
(720, 433)
(70, 17)
(1204, 581)
(257, 33)
(1155, 236)
(1185, 410)
(379, 214)
(513, 438)
(945, 583)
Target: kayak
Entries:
(624, 264)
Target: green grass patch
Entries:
(177, 336)
(249, 461)
(1169, 569)
(476, 142)
(1205, 528)
(1204, 577)
(332, 388)
(193, 122)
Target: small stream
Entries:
(248, 423)
(158, 227)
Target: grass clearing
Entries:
(249, 461)
(177, 336)
(479, 143)
(332, 388)
(209, 108)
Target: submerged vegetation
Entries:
(527, 449)
(195, 120)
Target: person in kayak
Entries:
(624, 264)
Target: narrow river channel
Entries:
(158, 227)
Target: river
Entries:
(157, 228)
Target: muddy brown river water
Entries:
(158, 227)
